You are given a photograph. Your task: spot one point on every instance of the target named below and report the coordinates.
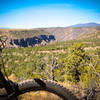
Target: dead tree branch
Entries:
(52, 67)
(93, 67)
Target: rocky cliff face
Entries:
(32, 41)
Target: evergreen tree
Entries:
(74, 62)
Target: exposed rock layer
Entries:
(32, 41)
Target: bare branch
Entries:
(93, 67)
(52, 67)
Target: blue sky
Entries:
(47, 13)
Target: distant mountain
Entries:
(86, 25)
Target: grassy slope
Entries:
(61, 34)
(69, 33)
(22, 33)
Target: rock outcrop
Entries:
(32, 41)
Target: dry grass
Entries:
(39, 96)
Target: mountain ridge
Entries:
(91, 24)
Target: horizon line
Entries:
(50, 26)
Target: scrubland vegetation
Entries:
(74, 63)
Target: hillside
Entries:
(70, 33)
(43, 36)
(26, 37)
(29, 63)
(95, 35)
(23, 33)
